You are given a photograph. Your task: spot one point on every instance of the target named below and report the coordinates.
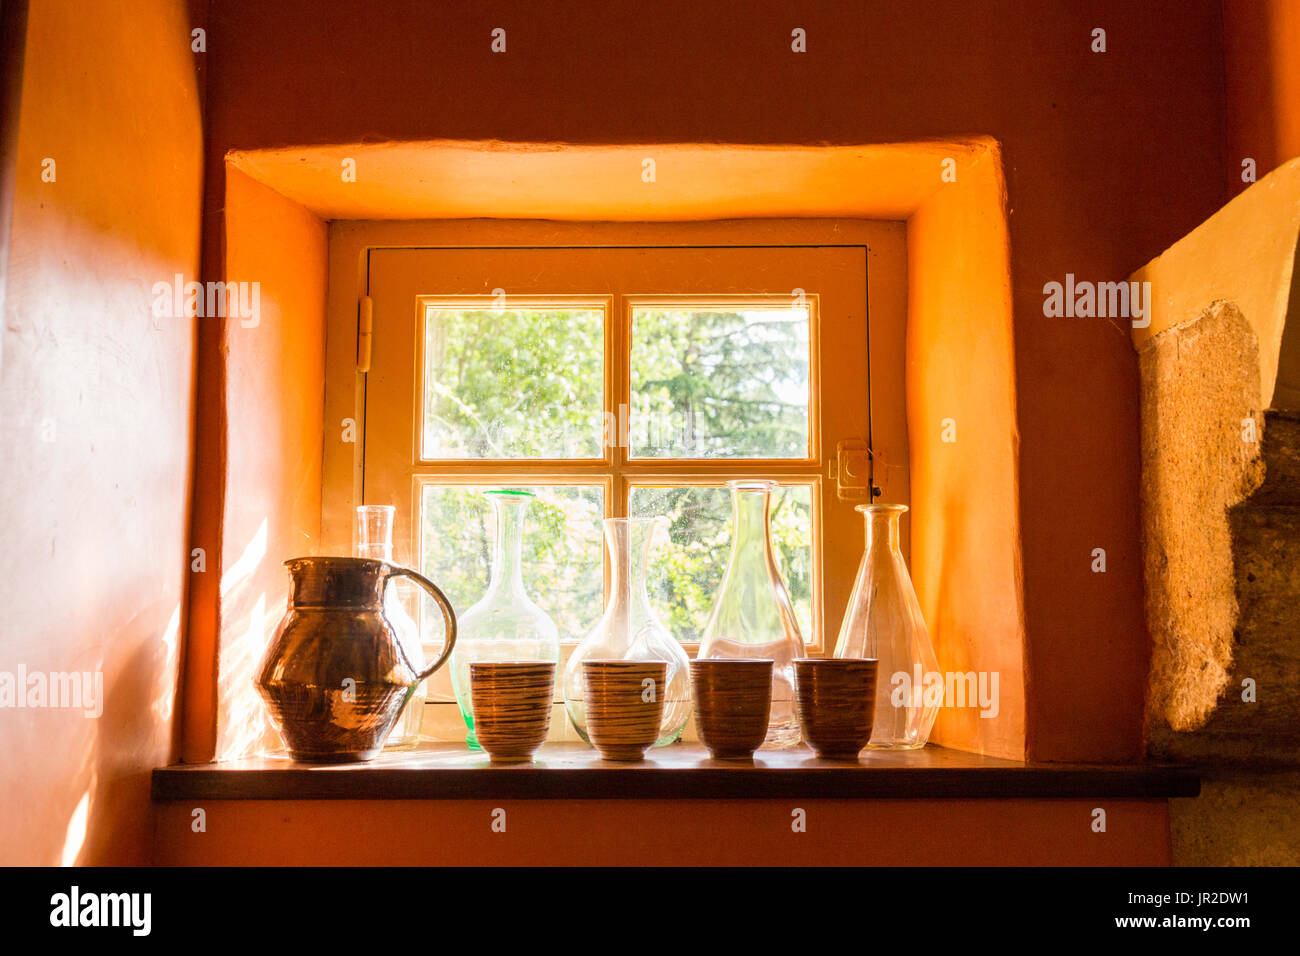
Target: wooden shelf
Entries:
(683, 771)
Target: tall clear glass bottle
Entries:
(752, 616)
(374, 539)
(884, 621)
(631, 630)
(505, 624)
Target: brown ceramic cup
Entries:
(512, 706)
(733, 701)
(836, 700)
(625, 706)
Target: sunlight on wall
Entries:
(244, 568)
(242, 725)
(76, 832)
(165, 702)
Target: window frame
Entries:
(882, 246)
(617, 472)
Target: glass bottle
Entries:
(505, 624)
(631, 630)
(884, 621)
(374, 539)
(752, 616)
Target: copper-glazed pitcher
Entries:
(335, 677)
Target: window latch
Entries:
(852, 471)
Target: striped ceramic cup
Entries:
(512, 706)
(625, 706)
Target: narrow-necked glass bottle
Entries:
(884, 621)
(374, 539)
(631, 630)
(752, 616)
(505, 624)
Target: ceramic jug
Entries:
(335, 677)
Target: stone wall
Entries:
(1199, 382)
(1221, 526)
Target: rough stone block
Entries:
(1200, 381)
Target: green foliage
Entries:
(720, 384)
(513, 384)
(561, 556)
(685, 574)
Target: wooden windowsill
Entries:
(683, 771)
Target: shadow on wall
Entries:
(114, 789)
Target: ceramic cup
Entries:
(836, 699)
(625, 705)
(733, 700)
(512, 706)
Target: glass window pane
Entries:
(514, 383)
(562, 558)
(685, 574)
(711, 383)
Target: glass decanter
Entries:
(505, 625)
(752, 616)
(374, 539)
(631, 630)
(884, 621)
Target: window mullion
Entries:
(619, 401)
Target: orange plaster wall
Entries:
(96, 405)
(274, 406)
(1087, 142)
(1261, 51)
(936, 832)
(965, 515)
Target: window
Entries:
(615, 381)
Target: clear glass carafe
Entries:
(752, 616)
(631, 630)
(884, 621)
(505, 625)
(374, 539)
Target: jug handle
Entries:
(448, 615)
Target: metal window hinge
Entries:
(365, 333)
(851, 471)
